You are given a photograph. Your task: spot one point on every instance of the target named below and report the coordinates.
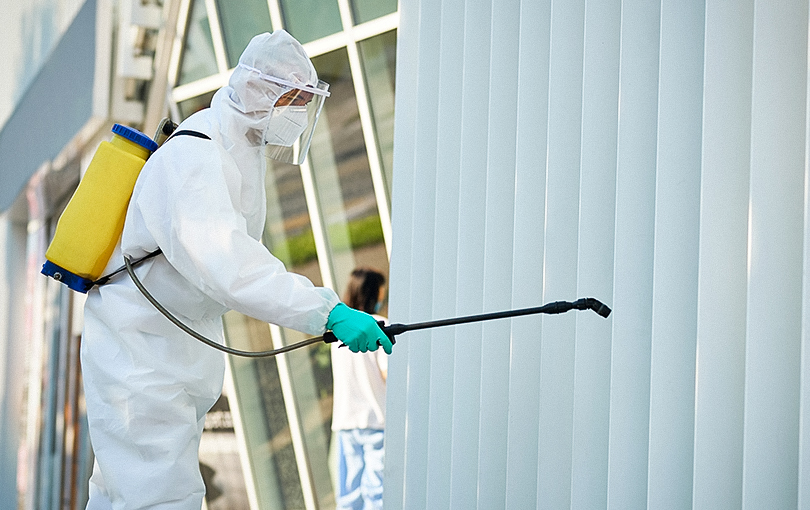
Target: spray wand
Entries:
(390, 330)
(393, 330)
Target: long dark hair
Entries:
(363, 289)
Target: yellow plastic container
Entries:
(93, 220)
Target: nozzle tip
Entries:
(602, 309)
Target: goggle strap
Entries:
(286, 83)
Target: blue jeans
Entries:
(360, 469)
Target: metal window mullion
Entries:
(367, 124)
(370, 137)
(327, 44)
(376, 26)
(276, 19)
(160, 89)
(174, 59)
(36, 243)
(295, 422)
(241, 440)
(199, 87)
(216, 35)
(60, 396)
(318, 223)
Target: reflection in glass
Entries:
(308, 20)
(288, 235)
(51, 422)
(219, 460)
(367, 10)
(240, 21)
(379, 57)
(198, 59)
(342, 176)
(264, 417)
(191, 106)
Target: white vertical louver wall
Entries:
(653, 155)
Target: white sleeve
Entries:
(188, 199)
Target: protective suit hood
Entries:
(243, 106)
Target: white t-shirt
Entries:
(359, 388)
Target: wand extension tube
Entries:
(551, 308)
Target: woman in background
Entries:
(358, 411)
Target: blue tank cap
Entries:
(136, 136)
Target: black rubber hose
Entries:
(211, 343)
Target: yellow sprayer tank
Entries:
(91, 224)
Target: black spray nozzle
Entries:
(592, 304)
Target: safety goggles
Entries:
(293, 119)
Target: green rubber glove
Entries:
(358, 330)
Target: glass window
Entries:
(379, 57)
(263, 412)
(288, 464)
(219, 460)
(342, 175)
(240, 22)
(287, 230)
(308, 20)
(288, 235)
(52, 423)
(367, 10)
(310, 372)
(198, 59)
(195, 104)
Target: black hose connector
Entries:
(592, 304)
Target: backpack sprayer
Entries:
(89, 229)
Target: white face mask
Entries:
(286, 125)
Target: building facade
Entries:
(84, 65)
(651, 154)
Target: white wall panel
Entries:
(720, 377)
(597, 203)
(804, 405)
(560, 257)
(474, 87)
(446, 235)
(632, 293)
(651, 155)
(527, 277)
(770, 465)
(424, 210)
(402, 200)
(675, 273)
(498, 235)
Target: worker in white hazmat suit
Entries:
(148, 385)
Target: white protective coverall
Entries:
(148, 385)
